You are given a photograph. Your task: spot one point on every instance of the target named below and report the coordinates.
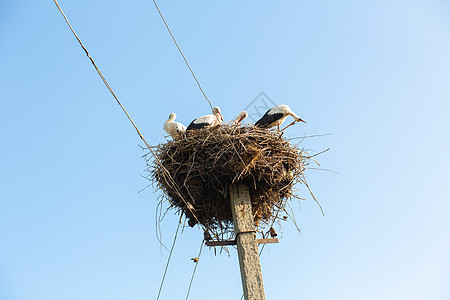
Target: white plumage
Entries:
(173, 128)
(276, 116)
(241, 116)
(207, 121)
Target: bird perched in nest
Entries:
(241, 116)
(173, 128)
(276, 116)
(207, 121)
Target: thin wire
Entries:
(129, 118)
(168, 259)
(195, 268)
(101, 75)
(310, 136)
(181, 52)
(139, 133)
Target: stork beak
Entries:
(240, 120)
(221, 117)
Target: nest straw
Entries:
(203, 163)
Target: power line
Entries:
(166, 172)
(143, 139)
(195, 269)
(101, 75)
(310, 136)
(168, 259)
(181, 52)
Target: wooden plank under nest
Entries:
(233, 242)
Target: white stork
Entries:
(207, 121)
(241, 116)
(173, 128)
(276, 116)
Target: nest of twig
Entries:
(194, 173)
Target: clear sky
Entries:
(376, 74)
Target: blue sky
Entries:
(376, 74)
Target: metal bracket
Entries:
(233, 242)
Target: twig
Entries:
(288, 125)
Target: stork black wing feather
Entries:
(268, 119)
(196, 126)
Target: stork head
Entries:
(299, 120)
(216, 112)
(241, 116)
(172, 116)
(287, 110)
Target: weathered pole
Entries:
(247, 245)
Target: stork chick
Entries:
(173, 128)
(241, 116)
(207, 121)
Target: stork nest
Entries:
(195, 171)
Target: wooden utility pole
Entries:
(247, 245)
